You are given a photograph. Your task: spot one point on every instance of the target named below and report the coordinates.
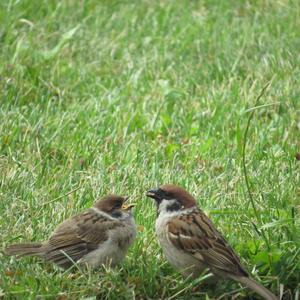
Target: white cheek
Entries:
(164, 204)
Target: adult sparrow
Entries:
(191, 242)
(99, 235)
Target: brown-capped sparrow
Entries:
(191, 242)
(99, 235)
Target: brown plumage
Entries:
(192, 243)
(100, 235)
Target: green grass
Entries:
(121, 96)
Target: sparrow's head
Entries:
(114, 205)
(171, 197)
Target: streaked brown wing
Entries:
(196, 234)
(77, 236)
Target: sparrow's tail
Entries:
(255, 286)
(28, 249)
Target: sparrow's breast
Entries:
(183, 262)
(125, 235)
(114, 249)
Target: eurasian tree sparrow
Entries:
(99, 235)
(191, 242)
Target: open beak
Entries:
(127, 206)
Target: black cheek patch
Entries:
(116, 214)
(174, 207)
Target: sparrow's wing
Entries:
(195, 233)
(77, 236)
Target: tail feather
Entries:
(28, 249)
(255, 286)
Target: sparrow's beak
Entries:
(154, 194)
(127, 206)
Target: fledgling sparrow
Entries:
(99, 235)
(191, 242)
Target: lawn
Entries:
(103, 97)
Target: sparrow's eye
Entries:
(168, 195)
(118, 204)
